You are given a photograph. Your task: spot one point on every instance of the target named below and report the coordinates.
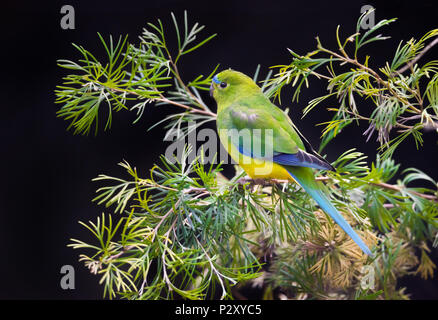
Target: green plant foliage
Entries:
(131, 72)
(185, 230)
(399, 103)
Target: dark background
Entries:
(46, 183)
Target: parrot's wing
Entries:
(268, 133)
(302, 159)
(309, 149)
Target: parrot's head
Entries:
(230, 85)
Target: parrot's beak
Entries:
(211, 90)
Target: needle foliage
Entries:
(185, 230)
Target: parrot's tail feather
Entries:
(328, 207)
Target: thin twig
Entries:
(191, 109)
(375, 75)
(162, 98)
(411, 63)
(115, 256)
(400, 189)
(267, 182)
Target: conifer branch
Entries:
(187, 231)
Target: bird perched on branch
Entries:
(266, 144)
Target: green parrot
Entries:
(275, 148)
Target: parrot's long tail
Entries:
(305, 177)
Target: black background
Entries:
(46, 183)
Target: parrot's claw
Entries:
(256, 182)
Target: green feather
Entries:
(242, 105)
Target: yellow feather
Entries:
(255, 168)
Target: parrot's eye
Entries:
(223, 85)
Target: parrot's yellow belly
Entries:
(259, 171)
(255, 168)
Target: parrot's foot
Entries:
(258, 182)
(251, 181)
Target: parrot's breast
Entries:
(255, 168)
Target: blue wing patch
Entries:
(301, 159)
